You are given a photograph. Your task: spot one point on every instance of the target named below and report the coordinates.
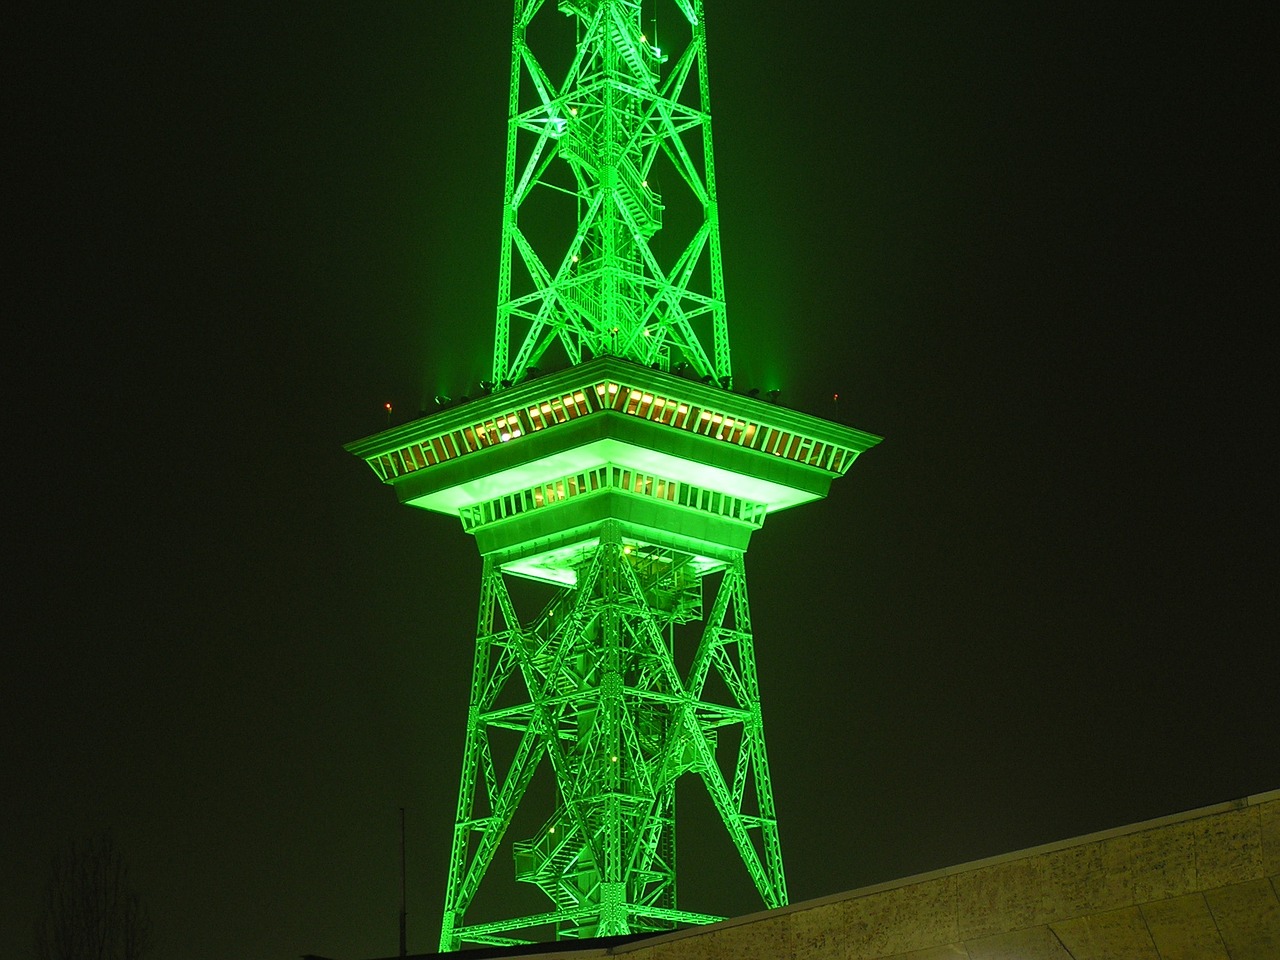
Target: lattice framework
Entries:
(600, 273)
(628, 484)
(591, 686)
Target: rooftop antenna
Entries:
(404, 949)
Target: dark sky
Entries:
(1031, 245)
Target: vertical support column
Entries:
(454, 907)
(719, 315)
(502, 329)
(613, 892)
(727, 648)
(753, 734)
(487, 796)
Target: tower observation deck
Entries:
(627, 478)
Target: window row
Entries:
(478, 436)
(612, 478)
(719, 426)
(623, 399)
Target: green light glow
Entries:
(586, 148)
(624, 480)
(692, 433)
(590, 687)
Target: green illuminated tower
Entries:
(610, 458)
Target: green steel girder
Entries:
(623, 481)
(622, 103)
(591, 684)
(634, 484)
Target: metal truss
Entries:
(581, 265)
(591, 687)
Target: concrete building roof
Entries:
(1201, 885)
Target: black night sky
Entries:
(1031, 245)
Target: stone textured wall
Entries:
(1197, 886)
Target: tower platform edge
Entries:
(533, 470)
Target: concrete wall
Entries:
(1196, 886)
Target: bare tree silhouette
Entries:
(90, 910)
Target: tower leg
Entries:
(591, 684)
(746, 803)
(486, 803)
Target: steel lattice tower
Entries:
(627, 479)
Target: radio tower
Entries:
(610, 457)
